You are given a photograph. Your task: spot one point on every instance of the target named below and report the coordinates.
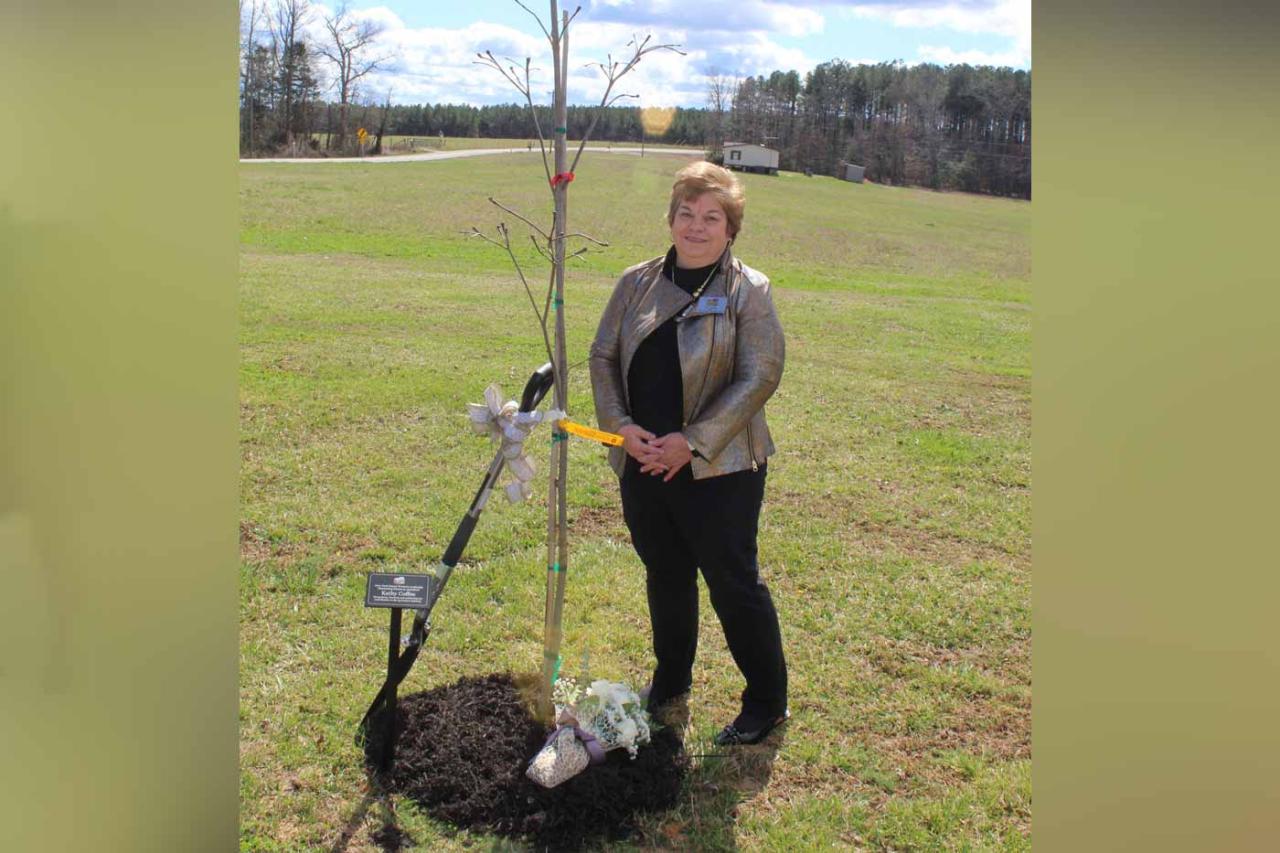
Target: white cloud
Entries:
(775, 16)
(947, 56)
(667, 78)
(438, 64)
(1008, 18)
(756, 54)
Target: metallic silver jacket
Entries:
(730, 363)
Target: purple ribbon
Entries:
(594, 749)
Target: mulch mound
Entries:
(462, 751)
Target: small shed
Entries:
(852, 172)
(746, 157)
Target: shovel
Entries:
(399, 664)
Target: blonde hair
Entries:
(702, 177)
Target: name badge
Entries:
(711, 305)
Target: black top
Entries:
(654, 388)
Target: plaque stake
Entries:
(389, 728)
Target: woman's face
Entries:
(700, 231)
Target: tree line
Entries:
(955, 127)
(511, 121)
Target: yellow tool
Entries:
(581, 431)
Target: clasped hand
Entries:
(664, 455)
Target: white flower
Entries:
(627, 731)
(611, 711)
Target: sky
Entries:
(431, 44)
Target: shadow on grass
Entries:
(388, 835)
(719, 780)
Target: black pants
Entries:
(687, 524)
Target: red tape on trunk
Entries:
(563, 177)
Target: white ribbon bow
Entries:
(505, 423)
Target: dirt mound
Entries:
(462, 751)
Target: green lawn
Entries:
(895, 533)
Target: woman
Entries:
(688, 351)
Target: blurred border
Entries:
(118, 464)
(1155, 456)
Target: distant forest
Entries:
(956, 127)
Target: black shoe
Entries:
(731, 735)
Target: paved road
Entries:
(469, 152)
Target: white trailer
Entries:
(744, 156)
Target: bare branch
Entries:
(512, 76)
(619, 97)
(506, 244)
(613, 72)
(542, 319)
(541, 251)
(476, 232)
(521, 217)
(537, 126)
(487, 58)
(586, 237)
(371, 66)
(541, 25)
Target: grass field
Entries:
(895, 535)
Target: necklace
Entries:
(698, 292)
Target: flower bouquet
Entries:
(607, 715)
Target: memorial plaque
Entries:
(389, 589)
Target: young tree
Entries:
(551, 245)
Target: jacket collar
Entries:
(664, 299)
(661, 299)
(719, 285)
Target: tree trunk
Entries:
(557, 498)
(342, 120)
(382, 125)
